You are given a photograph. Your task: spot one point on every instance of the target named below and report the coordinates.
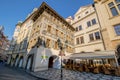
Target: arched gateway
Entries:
(20, 62)
(16, 60)
(118, 53)
(118, 50)
(53, 62)
(29, 62)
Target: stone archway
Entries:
(9, 60)
(118, 50)
(29, 62)
(12, 61)
(20, 62)
(53, 61)
(50, 65)
(118, 53)
(16, 61)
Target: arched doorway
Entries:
(16, 61)
(118, 50)
(118, 53)
(12, 61)
(9, 60)
(50, 65)
(29, 62)
(20, 62)
(53, 61)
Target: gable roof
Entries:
(43, 7)
(82, 9)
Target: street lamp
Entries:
(61, 52)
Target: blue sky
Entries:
(12, 11)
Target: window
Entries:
(80, 27)
(82, 40)
(76, 28)
(119, 6)
(56, 45)
(86, 12)
(113, 7)
(114, 11)
(91, 37)
(37, 25)
(117, 29)
(25, 44)
(77, 41)
(48, 43)
(49, 29)
(118, 3)
(88, 24)
(78, 17)
(93, 21)
(56, 32)
(97, 35)
(97, 50)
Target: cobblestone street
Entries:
(54, 74)
(7, 73)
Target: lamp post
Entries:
(61, 53)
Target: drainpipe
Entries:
(93, 5)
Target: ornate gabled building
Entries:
(36, 44)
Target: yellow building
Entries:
(87, 37)
(37, 41)
(108, 12)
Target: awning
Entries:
(92, 55)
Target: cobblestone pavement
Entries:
(7, 73)
(54, 74)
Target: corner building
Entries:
(41, 32)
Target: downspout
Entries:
(93, 5)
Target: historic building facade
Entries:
(4, 44)
(87, 37)
(109, 15)
(36, 43)
(18, 47)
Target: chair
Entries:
(86, 69)
(80, 69)
(117, 71)
(96, 70)
(66, 66)
(71, 66)
(74, 67)
(106, 71)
